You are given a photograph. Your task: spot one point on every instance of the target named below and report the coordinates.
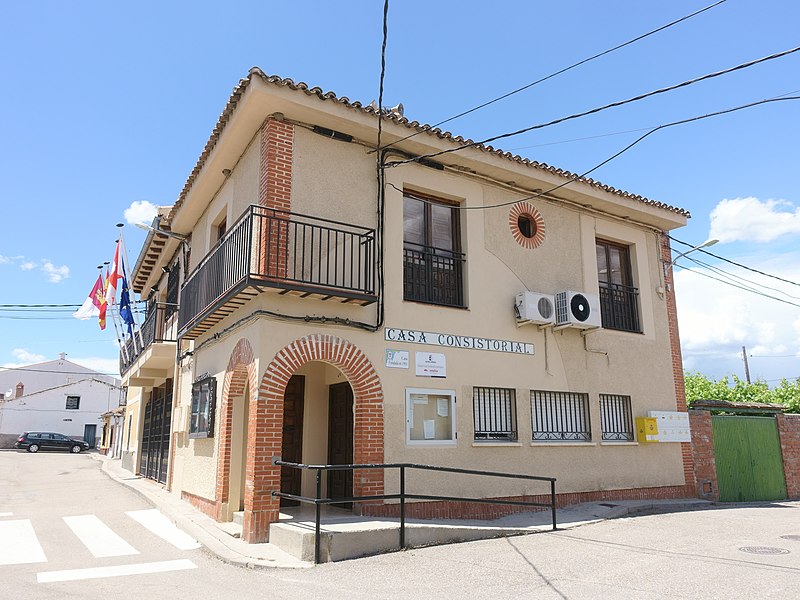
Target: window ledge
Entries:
(498, 444)
(562, 444)
(611, 443)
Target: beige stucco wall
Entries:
(337, 180)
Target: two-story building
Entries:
(472, 309)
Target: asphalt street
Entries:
(93, 543)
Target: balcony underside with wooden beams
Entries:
(285, 253)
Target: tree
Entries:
(700, 387)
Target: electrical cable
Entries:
(598, 109)
(744, 280)
(736, 285)
(734, 263)
(560, 71)
(67, 373)
(617, 154)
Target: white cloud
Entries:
(27, 265)
(26, 357)
(140, 211)
(753, 220)
(4, 260)
(716, 320)
(54, 274)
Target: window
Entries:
(173, 282)
(494, 410)
(615, 415)
(433, 264)
(430, 416)
(204, 396)
(560, 417)
(73, 402)
(619, 300)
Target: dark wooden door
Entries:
(340, 441)
(89, 434)
(292, 447)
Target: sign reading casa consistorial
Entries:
(450, 340)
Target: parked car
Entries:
(33, 441)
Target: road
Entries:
(68, 531)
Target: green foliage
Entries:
(700, 387)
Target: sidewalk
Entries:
(218, 542)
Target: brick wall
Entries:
(705, 466)
(241, 371)
(789, 431)
(266, 425)
(275, 192)
(677, 359)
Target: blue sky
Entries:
(106, 105)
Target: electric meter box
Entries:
(646, 429)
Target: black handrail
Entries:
(318, 500)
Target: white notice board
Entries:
(673, 426)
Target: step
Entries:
(344, 540)
(238, 517)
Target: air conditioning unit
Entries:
(533, 307)
(577, 309)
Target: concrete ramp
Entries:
(361, 537)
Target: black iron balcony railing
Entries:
(619, 307)
(154, 329)
(433, 275)
(279, 249)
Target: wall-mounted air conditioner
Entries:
(536, 308)
(577, 309)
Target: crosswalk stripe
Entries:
(18, 543)
(115, 571)
(98, 537)
(155, 521)
(6, 514)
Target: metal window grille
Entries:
(619, 307)
(73, 403)
(495, 414)
(560, 416)
(615, 415)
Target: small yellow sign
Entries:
(646, 429)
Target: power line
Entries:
(775, 356)
(733, 276)
(561, 71)
(741, 287)
(735, 263)
(619, 153)
(600, 108)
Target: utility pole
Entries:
(746, 366)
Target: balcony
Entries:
(619, 307)
(290, 253)
(152, 345)
(433, 275)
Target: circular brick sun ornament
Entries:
(527, 225)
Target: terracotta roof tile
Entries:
(239, 90)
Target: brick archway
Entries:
(261, 508)
(241, 370)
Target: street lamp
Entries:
(171, 234)
(705, 244)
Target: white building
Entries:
(56, 395)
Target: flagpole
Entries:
(133, 308)
(120, 341)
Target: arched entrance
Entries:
(241, 380)
(267, 434)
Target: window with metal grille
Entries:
(615, 415)
(204, 400)
(619, 299)
(494, 410)
(560, 416)
(73, 403)
(173, 283)
(433, 264)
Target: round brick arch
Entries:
(241, 370)
(261, 508)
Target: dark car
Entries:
(33, 441)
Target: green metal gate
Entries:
(748, 457)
